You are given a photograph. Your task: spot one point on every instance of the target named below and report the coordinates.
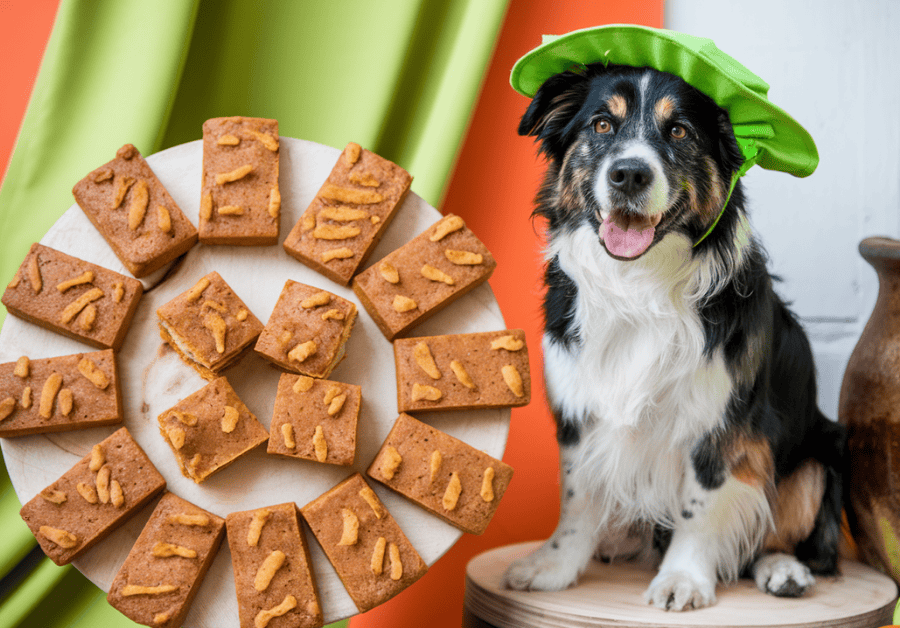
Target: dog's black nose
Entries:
(630, 175)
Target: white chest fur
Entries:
(638, 381)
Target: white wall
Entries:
(834, 65)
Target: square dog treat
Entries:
(208, 326)
(423, 276)
(73, 297)
(210, 429)
(442, 474)
(240, 202)
(93, 498)
(369, 551)
(315, 419)
(134, 213)
(57, 394)
(307, 330)
(462, 371)
(163, 572)
(273, 574)
(347, 218)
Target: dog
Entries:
(682, 386)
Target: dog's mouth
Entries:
(627, 235)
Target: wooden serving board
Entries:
(610, 596)
(154, 378)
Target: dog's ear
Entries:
(730, 156)
(552, 109)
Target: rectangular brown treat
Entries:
(273, 573)
(369, 551)
(442, 474)
(240, 202)
(208, 326)
(315, 419)
(73, 297)
(423, 276)
(307, 330)
(93, 498)
(210, 429)
(163, 572)
(462, 371)
(347, 218)
(57, 394)
(134, 213)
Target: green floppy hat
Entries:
(766, 134)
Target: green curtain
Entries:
(399, 77)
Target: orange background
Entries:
(493, 188)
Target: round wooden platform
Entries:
(611, 596)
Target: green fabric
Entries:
(762, 129)
(400, 77)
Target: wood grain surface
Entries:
(611, 596)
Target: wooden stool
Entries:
(611, 596)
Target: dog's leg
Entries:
(714, 533)
(557, 564)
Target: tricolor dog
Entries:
(682, 386)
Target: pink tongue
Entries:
(629, 242)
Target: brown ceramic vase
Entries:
(870, 409)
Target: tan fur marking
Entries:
(664, 109)
(799, 497)
(617, 106)
(751, 462)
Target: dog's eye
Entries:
(603, 126)
(678, 132)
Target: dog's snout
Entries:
(630, 175)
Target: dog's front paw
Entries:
(680, 591)
(542, 570)
(782, 575)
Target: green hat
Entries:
(766, 134)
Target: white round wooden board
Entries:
(611, 596)
(154, 379)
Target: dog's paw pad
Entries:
(540, 571)
(680, 591)
(782, 575)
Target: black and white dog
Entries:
(683, 388)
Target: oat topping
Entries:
(451, 495)
(404, 304)
(396, 564)
(434, 274)
(228, 140)
(7, 407)
(54, 497)
(390, 462)
(176, 437)
(513, 380)
(163, 219)
(197, 290)
(445, 227)
(185, 519)
(103, 477)
(167, 550)
(350, 534)
(425, 360)
(124, 183)
(302, 351)
(34, 274)
(336, 232)
(260, 517)
(461, 374)
(118, 292)
(351, 153)
(487, 485)
(27, 397)
(87, 318)
(510, 343)
(320, 298)
(336, 315)
(66, 402)
(230, 210)
(116, 495)
(370, 498)
(350, 196)
(137, 209)
(230, 420)
(266, 139)
(435, 464)
(206, 207)
(23, 367)
(264, 617)
(464, 258)
(274, 202)
(377, 562)
(319, 444)
(48, 394)
(268, 569)
(93, 373)
(74, 308)
(287, 433)
(87, 492)
(64, 539)
(235, 175)
(133, 589)
(341, 253)
(216, 325)
(389, 273)
(98, 458)
(365, 179)
(422, 392)
(303, 384)
(85, 277)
